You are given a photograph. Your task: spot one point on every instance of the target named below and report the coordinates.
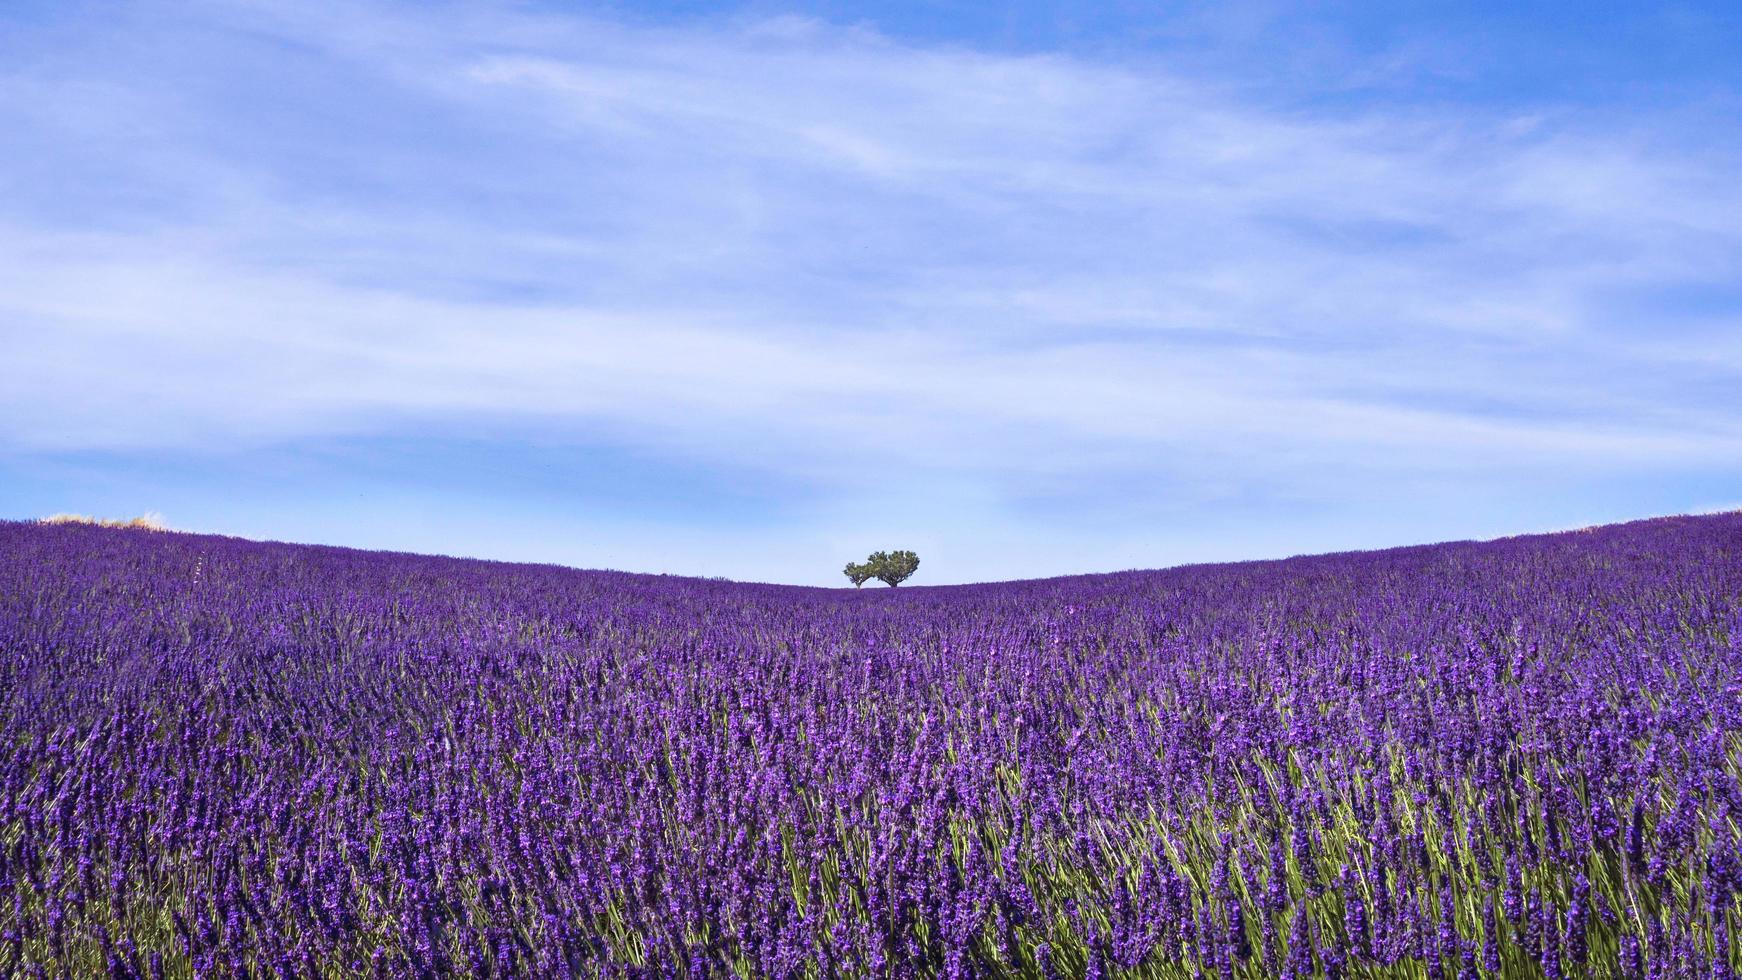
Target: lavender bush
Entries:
(1518, 758)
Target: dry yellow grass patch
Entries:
(146, 522)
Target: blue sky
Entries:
(753, 290)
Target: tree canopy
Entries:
(889, 567)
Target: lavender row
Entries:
(1519, 758)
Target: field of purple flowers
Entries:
(1519, 758)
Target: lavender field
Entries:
(1519, 758)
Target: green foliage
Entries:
(892, 567)
(858, 573)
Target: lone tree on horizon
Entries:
(889, 567)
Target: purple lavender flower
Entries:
(534, 771)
